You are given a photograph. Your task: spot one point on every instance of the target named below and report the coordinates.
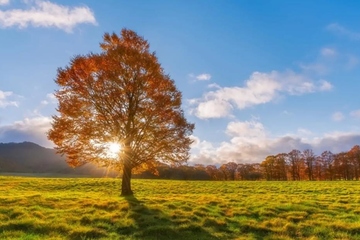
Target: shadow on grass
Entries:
(155, 224)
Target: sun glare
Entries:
(113, 149)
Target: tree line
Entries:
(293, 166)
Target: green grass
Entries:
(59, 208)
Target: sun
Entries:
(113, 149)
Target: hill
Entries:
(30, 158)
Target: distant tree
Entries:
(328, 161)
(200, 172)
(274, 167)
(249, 171)
(342, 166)
(199, 167)
(319, 168)
(120, 96)
(255, 173)
(354, 155)
(185, 172)
(295, 163)
(309, 159)
(280, 167)
(242, 171)
(229, 170)
(213, 172)
(268, 166)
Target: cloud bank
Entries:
(29, 129)
(249, 142)
(260, 88)
(4, 2)
(46, 14)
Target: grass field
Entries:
(60, 208)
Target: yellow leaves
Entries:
(150, 166)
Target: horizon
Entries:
(258, 78)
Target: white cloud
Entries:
(250, 142)
(29, 129)
(338, 116)
(214, 108)
(317, 67)
(304, 132)
(50, 99)
(328, 60)
(4, 102)
(47, 14)
(248, 131)
(260, 88)
(325, 86)
(203, 77)
(4, 2)
(247, 144)
(355, 114)
(213, 85)
(205, 152)
(200, 77)
(341, 30)
(285, 112)
(328, 52)
(323, 63)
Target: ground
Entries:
(80, 208)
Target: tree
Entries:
(328, 160)
(229, 170)
(354, 155)
(280, 166)
(295, 163)
(309, 159)
(249, 171)
(243, 171)
(120, 96)
(319, 168)
(274, 167)
(268, 166)
(200, 172)
(213, 172)
(342, 166)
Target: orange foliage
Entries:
(120, 95)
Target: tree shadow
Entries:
(155, 224)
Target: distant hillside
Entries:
(28, 157)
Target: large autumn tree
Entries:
(119, 97)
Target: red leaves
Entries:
(121, 94)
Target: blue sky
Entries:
(257, 77)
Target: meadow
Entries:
(82, 208)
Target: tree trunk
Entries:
(126, 180)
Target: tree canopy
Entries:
(120, 96)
